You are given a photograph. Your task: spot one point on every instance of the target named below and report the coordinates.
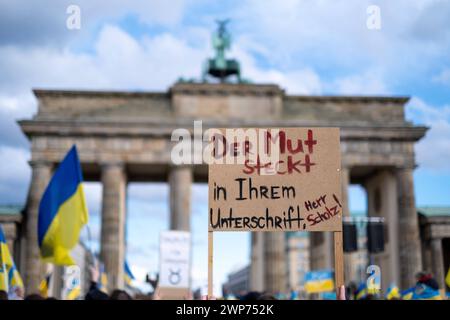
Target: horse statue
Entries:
(220, 67)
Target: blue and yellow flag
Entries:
(421, 292)
(319, 281)
(9, 275)
(45, 285)
(408, 294)
(62, 212)
(103, 279)
(424, 292)
(392, 292)
(129, 277)
(4, 253)
(74, 291)
(361, 291)
(447, 278)
(14, 278)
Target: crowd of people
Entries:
(351, 292)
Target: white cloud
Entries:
(331, 37)
(369, 82)
(14, 175)
(43, 22)
(434, 150)
(296, 81)
(443, 77)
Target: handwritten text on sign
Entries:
(295, 187)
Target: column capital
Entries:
(408, 165)
(180, 166)
(40, 163)
(112, 164)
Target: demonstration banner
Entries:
(285, 179)
(175, 263)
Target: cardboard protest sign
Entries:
(285, 179)
(175, 259)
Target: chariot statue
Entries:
(220, 67)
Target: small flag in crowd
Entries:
(319, 281)
(129, 277)
(408, 294)
(3, 263)
(45, 285)
(421, 292)
(62, 212)
(10, 278)
(392, 292)
(361, 291)
(424, 292)
(74, 291)
(447, 278)
(103, 279)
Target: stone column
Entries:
(257, 262)
(275, 275)
(180, 182)
(382, 202)
(57, 282)
(437, 262)
(113, 223)
(348, 257)
(408, 233)
(345, 182)
(41, 174)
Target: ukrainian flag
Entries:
(9, 275)
(45, 285)
(74, 291)
(408, 294)
(103, 283)
(361, 291)
(62, 212)
(129, 277)
(14, 278)
(447, 278)
(421, 292)
(424, 292)
(319, 281)
(4, 259)
(392, 292)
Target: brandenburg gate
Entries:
(124, 137)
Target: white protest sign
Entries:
(175, 254)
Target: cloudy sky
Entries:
(308, 47)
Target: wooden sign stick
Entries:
(338, 261)
(210, 263)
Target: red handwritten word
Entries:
(281, 167)
(287, 145)
(319, 216)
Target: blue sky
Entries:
(307, 47)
